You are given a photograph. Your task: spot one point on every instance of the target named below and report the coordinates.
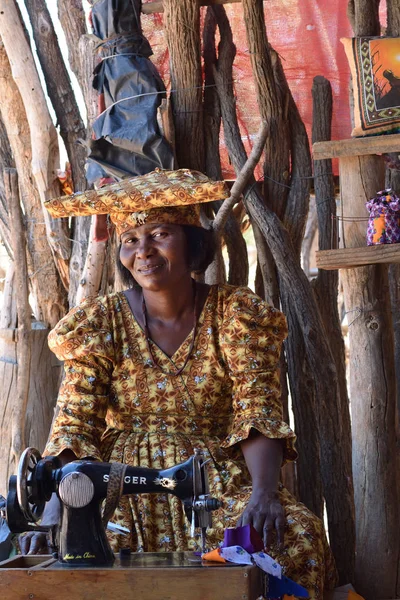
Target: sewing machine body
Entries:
(81, 486)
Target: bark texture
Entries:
(59, 88)
(366, 17)
(393, 17)
(72, 19)
(393, 181)
(287, 172)
(182, 28)
(44, 143)
(6, 160)
(18, 433)
(8, 313)
(372, 391)
(372, 372)
(72, 129)
(326, 284)
(50, 295)
(238, 273)
(45, 375)
(273, 106)
(90, 280)
(336, 467)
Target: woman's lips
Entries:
(148, 269)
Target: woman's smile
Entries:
(147, 269)
(155, 254)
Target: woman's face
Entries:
(156, 255)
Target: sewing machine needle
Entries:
(203, 539)
(117, 528)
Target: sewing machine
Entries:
(85, 566)
(82, 486)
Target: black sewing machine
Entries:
(82, 486)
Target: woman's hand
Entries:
(265, 512)
(33, 542)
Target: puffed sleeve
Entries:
(83, 339)
(251, 341)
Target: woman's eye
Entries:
(160, 234)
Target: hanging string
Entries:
(289, 187)
(163, 92)
(357, 310)
(350, 219)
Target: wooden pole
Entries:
(45, 154)
(182, 28)
(23, 312)
(393, 18)
(72, 18)
(238, 273)
(90, 280)
(301, 301)
(59, 88)
(372, 392)
(326, 284)
(46, 286)
(372, 372)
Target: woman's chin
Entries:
(153, 281)
(161, 280)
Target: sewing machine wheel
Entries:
(26, 485)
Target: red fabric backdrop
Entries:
(306, 34)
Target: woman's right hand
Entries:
(33, 542)
(37, 542)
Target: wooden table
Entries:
(149, 576)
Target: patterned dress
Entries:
(115, 405)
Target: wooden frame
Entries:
(361, 146)
(348, 258)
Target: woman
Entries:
(171, 365)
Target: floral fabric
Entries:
(164, 196)
(115, 405)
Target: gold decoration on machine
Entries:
(166, 482)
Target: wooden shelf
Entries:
(379, 144)
(348, 258)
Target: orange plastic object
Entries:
(214, 556)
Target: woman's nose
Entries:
(144, 248)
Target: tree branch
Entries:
(242, 179)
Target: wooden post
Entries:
(326, 283)
(23, 312)
(45, 282)
(372, 391)
(90, 280)
(45, 155)
(372, 368)
(182, 28)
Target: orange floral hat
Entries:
(157, 197)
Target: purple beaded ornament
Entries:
(384, 219)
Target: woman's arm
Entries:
(264, 511)
(37, 542)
